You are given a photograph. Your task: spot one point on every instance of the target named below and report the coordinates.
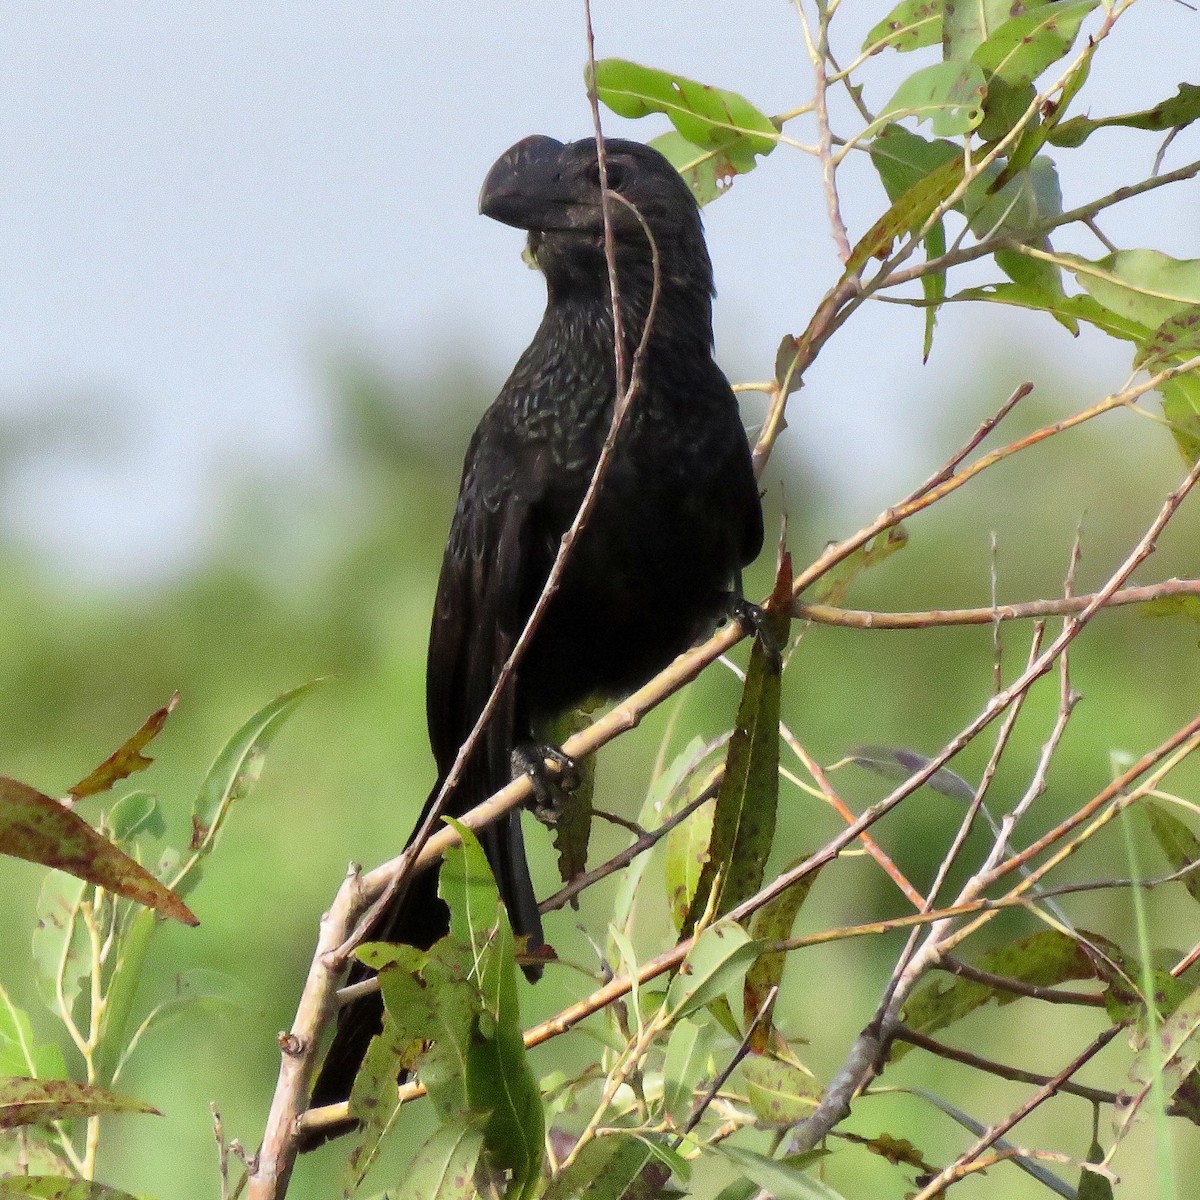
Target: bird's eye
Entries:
(613, 170)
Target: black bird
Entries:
(677, 516)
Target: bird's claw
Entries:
(548, 787)
(752, 618)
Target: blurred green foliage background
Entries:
(333, 575)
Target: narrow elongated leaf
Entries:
(128, 757)
(949, 95)
(1063, 308)
(744, 818)
(906, 215)
(834, 586)
(784, 1179)
(772, 923)
(59, 1187)
(39, 829)
(61, 948)
(36, 1101)
(499, 1079)
(1177, 112)
(234, 772)
(683, 1064)
(708, 117)
(1044, 959)
(898, 763)
(1177, 842)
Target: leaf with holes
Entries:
(708, 117)
(949, 95)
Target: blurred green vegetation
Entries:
(333, 574)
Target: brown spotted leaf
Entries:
(39, 829)
(59, 1187)
(36, 1101)
(128, 758)
(744, 817)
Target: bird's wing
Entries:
(495, 561)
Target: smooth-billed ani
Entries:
(676, 518)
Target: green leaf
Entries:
(1020, 49)
(60, 945)
(967, 26)
(1141, 285)
(719, 958)
(683, 1064)
(1176, 340)
(134, 813)
(1064, 308)
(128, 757)
(1043, 959)
(903, 158)
(450, 993)
(708, 117)
(834, 585)
(20, 1053)
(748, 799)
(771, 923)
(444, 1167)
(469, 889)
(785, 1179)
(234, 772)
(614, 1167)
(1177, 842)
(897, 763)
(59, 1187)
(1171, 1053)
(36, 1101)
(707, 170)
(1093, 1186)
(686, 844)
(1177, 112)
(948, 94)
(1023, 203)
(41, 830)
(911, 25)
(500, 1081)
(1181, 407)
(780, 1094)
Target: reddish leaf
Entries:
(128, 758)
(39, 829)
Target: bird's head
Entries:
(552, 189)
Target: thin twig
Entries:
(826, 614)
(915, 1037)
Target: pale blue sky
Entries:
(196, 197)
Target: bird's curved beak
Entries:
(525, 187)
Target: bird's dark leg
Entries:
(752, 619)
(529, 758)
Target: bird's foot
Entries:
(548, 784)
(752, 619)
